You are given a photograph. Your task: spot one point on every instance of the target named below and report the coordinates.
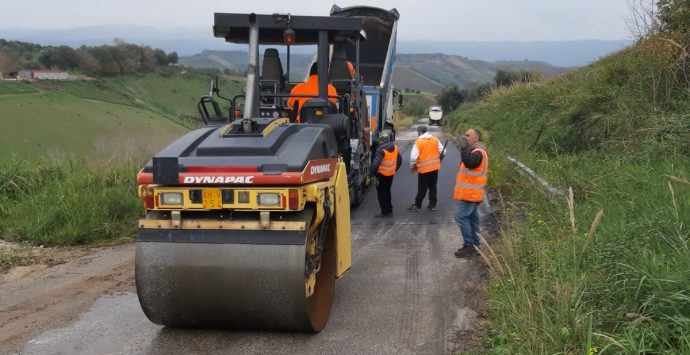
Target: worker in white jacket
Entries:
(425, 159)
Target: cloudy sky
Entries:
(439, 20)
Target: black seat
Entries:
(271, 81)
(339, 74)
(271, 68)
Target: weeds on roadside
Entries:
(67, 202)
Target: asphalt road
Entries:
(406, 293)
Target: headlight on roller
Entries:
(171, 198)
(269, 199)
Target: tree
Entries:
(172, 58)
(8, 60)
(161, 57)
(62, 57)
(450, 98)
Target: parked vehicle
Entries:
(435, 115)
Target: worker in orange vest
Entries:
(387, 162)
(309, 87)
(470, 184)
(425, 159)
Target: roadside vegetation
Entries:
(607, 270)
(67, 202)
(70, 152)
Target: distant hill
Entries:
(237, 60)
(560, 53)
(188, 41)
(424, 72)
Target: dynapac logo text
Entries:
(320, 169)
(218, 179)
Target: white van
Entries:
(435, 115)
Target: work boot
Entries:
(414, 208)
(466, 251)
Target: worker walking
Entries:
(387, 162)
(310, 88)
(425, 159)
(470, 184)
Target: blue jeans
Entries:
(467, 218)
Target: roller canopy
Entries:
(235, 27)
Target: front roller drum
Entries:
(195, 278)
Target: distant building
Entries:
(41, 74)
(25, 74)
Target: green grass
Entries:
(58, 124)
(174, 96)
(70, 151)
(68, 202)
(8, 87)
(101, 119)
(622, 284)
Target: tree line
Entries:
(451, 97)
(106, 60)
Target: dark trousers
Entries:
(426, 181)
(383, 191)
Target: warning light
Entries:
(289, 36)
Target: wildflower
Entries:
(592, 350)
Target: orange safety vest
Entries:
(388, 163)
(470, 183)
(429, 158)
(309, 87)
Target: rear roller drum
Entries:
(186, 278)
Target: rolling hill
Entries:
(425, 72)
(122, 116)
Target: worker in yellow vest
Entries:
(470, 184)
(425, 159)
(386, 163)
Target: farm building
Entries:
(41, 74)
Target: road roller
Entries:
(247, 222)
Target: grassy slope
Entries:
(49, 194)
(425, 72)
(50, 123)
(406, 78)
(137, 114)
(621, 285)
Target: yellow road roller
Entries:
(247, 219)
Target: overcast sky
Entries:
(440, 20)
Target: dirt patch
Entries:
(39, 297)
(13, 255)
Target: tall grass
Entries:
(67, 203)
(608, 271)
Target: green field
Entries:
(70, 151)
(51, 123)
(131, 115)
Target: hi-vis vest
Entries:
(387, 165)
(429, 158)
(470, 183)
